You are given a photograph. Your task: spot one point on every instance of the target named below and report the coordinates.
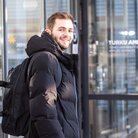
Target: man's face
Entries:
(62, 32)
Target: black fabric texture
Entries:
(53, 109)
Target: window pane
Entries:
(114, 119)
(24, 19)
(52, 6)
(59, 5)
(113, 49)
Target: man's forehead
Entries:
(63, 23)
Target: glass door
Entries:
(112, 68)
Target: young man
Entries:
(53, 91)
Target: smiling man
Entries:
(52, 81)
(61, 32)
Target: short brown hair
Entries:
(58, 15)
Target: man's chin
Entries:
(64, 47)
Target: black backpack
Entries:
(15, 114)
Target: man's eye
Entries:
(71, 31)
(61, 29)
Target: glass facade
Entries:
(110, 102)
(114, 119)
(113, 47)
(113, 68)
(22, 19)
(1, 58)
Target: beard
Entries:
(60, 44)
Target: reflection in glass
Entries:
(114, 119)
(1, 47)
(113, 47)
(24, 19)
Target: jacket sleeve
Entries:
(46, 73)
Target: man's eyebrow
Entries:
(62, 27)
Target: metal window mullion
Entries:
(84, 66)
(113, 97)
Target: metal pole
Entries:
(84, 67)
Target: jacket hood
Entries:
(46, 43)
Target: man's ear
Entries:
(48, 31)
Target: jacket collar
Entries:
(46, 43)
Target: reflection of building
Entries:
(108, 57)
(115, 30)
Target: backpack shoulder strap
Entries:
(4, 84)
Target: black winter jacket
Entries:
(53, 92)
